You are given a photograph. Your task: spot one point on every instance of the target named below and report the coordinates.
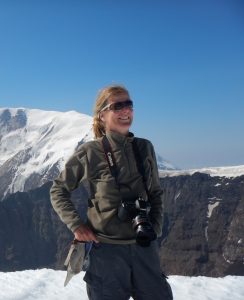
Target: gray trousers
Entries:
(120, 271)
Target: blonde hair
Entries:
(101, 102)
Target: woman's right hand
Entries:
(84, 233)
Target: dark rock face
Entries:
(9, 123)
(203, 227)
(31, 234)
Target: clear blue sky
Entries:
(182, 61)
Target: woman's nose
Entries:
(126, 109)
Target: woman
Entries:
(125, 211)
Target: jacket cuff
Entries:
(75, 226)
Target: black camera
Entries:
(137, 210)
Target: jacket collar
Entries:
(117, 138)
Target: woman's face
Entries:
(118, 120)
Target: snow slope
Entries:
(164, 164)
(47, 284)
(232, 171)
(48, 133)
(33, 141)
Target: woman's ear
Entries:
(101, 117)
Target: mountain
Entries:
(35, 144)
(203, 209)
(230, 171)
(203, 224)
(202, 233)
(31, 234)
(164, 164)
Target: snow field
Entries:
(46, 284)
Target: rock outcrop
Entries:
(203, 225)
(202, 235)
(31, 234)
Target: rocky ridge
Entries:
(203, 225)
(202, 234)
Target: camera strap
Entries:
(112, 163)
(140, 166)
(110, 158)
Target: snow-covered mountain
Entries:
(230, 171)
(164, 164)
(34, 145)
(202, 232)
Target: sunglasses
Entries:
(117, 106)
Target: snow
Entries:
(213, 203)
(67, 130)
(49, 137)
(227, 260)
(211, 207)
(164, 164)
(177, 196)
(231, 171)
(48, 284)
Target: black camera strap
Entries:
(110, 158)
(140, 166)
(112, 163)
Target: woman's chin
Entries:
(123, 130)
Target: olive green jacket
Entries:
(89, 164)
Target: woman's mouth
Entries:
(124, 118)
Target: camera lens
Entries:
(144, 231)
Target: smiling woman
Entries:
(125, 211)
(117, 115)
(113, 111)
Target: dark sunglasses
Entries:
(119, 105)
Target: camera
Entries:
(137, 210)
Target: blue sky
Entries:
(182, 61)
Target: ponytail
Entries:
(98, 127)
